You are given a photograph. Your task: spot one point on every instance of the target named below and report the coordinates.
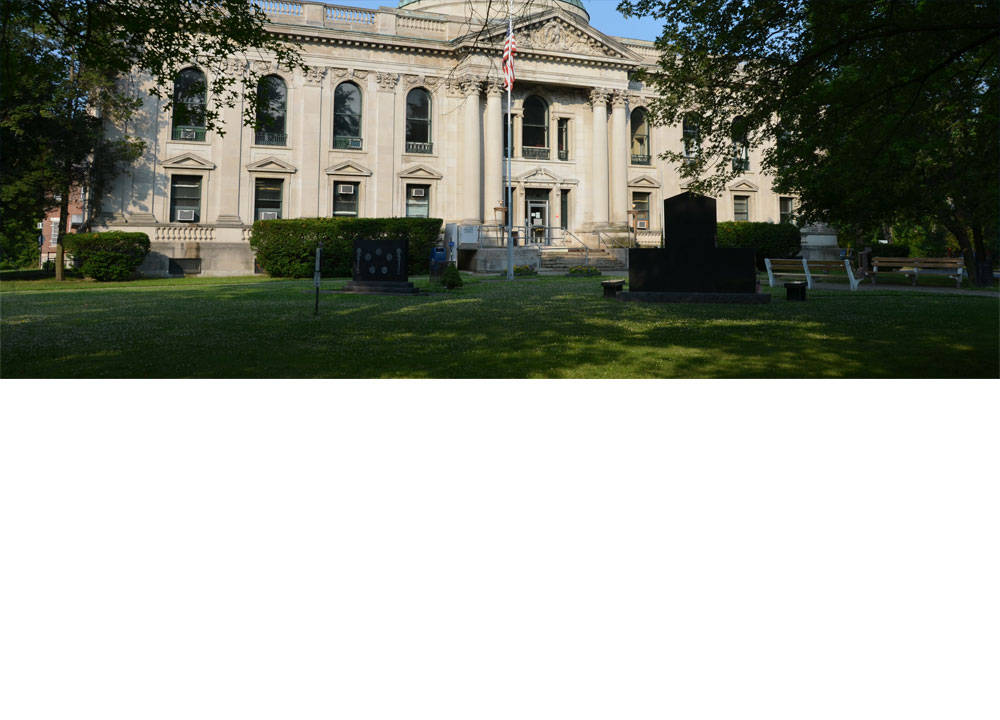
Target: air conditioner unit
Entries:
(78, 219)
(270, 215)
(354, 143)
(189, 134)
(641, 225)
(40, 225)
(416, 192)
(185, 215)
(345, 189)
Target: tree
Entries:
(67, 66)
(872, 111)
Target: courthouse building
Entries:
(402, 112)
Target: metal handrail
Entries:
(586, 250)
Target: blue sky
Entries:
(603, 16)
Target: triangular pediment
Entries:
(420, 172)
(543, 176)
(555, 32)
(744, 186)
(349, 168)
(644, 181)
(271, 164)
(188, 161)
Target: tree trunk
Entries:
(962, 235)
(63, 218)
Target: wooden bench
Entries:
(913, 267)
(803, 268)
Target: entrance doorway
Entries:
(537, 214)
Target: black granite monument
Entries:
(380, 266)
(690, 268)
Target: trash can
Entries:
(795, 290)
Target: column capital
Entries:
(619, 98)
(598, 97)
(494, 86)
(471, 85)
(314, 75)
(386, 81)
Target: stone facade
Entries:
(578, 173)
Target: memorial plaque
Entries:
(380, 261)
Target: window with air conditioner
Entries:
(345, 200)
(185, 198)
(190, 93)
(418, 121)
(640, 205)
(347, 117)
(417, 200)
(267, 198)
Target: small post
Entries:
(319, 250)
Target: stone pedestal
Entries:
(819, 242)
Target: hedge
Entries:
(287, 248)
(770, 240)
(107, 256)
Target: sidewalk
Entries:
(869, 287)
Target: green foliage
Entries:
(287, 248)
(584, 270)
(769, 240)
(524, 270)
(873, 113)
(890, 250)
(108, 256)
(450, 277)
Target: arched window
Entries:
(347, 117)
(272, 103)
(535, 129)
(418, 121)
(741, 147)
(692, 140)
(640, 137)
(190, 92)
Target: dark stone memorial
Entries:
(380, 266)
(690, 268)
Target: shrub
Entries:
(769, 240)
(107, 256)
(450, 277)
(524, 270)
(287, 248)
(49, 265)
(585, 270)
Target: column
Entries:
(309, 128)
(493, 158)
(599, 174)
(229, 169)
(619, 159)
(472, 151)
(385, 151)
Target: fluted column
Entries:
(472, 148)
(227, 200)
(619, 159)
(599, 211)
(385, 152)
(493, 159)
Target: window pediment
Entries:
(349, 168)
(743, 186)
(643, 181)
(541, 176)
(188, 161)
(271, 164)
(420, 172)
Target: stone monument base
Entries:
(371, 287)
(695, 297)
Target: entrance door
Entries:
(538, 219)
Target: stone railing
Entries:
(352, 16)
(386, 21)
(185, 233)
(280, 7)
(421, 24)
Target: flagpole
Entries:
(510, 147)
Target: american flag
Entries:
(509, 48)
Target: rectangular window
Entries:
(418, 200)
(741, 208)
(786, 209)
(267, 199)
(640, 203)
(562, 138)
(345, 199)
(564, 209)
(185, 198)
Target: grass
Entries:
(548, 327)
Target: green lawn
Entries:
(531, 328)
